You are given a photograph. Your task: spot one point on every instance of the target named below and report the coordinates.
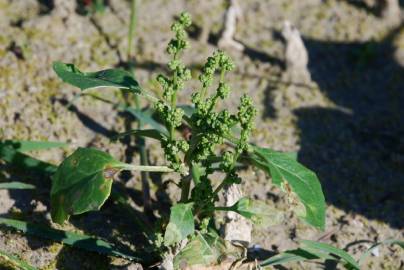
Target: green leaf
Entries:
(69, 238)
(149, 133)
(16, 185)
(16, 262)
(181, 223)
(117, 78)
(385, 242)
(295, 255)
(297, 180)
(203, 249)
(145, 117)
(188, 109)
(82, 183)
(258, 212)
(328, 249)
(25, 146)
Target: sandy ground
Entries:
(346, 124)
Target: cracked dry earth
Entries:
(346, 124)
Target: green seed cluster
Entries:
(210, 127)
(202, 195)
(166, 108)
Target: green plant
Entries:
(219, 141)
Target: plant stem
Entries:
(185, 187)
(139, 140)
(223, 208)
(142, 168)
(132, 28)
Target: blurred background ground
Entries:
(346, 124)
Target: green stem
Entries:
(142, 168)
(132, 28)
(185, 187)
(223, 208)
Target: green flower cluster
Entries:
(167, 109)
(209, 127)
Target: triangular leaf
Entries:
(203, 249)
(181, 223)
(117, 78)
(297, 180)
(82, 183)
(259, 212)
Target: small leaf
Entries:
(385, 242)
(181, 224)
(25, 146)
(188, 109)
(82, 183)
(203, 249)
(328, 249)
(69, 238)
(295, 255)
(16, 262)
(117, 78)
(303, 183)
(16, 185)
(149, 133)
(258, 212)
(145, 117)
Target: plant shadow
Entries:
(357, 148)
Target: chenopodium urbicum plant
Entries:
(219, 141)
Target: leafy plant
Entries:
(83, 180)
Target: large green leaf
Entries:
(69, 238)
(117, 78)
(181, 223)
(203, 249)
(82, 183)
(259, 212)
(25, 146)
(312, 246)
(15, 261)
(297, 180)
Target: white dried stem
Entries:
(236, 228)
(233, 13)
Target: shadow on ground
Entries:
(357, 152)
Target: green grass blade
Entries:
(23, 161)
(25, 146)
(82, 241)
(295, 255)
(16, 185)
(328, 249)
(148, 133)
(385, 242)
(16, 262)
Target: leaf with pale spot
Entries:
(181, 223)
(82, 183)
(297, 180)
